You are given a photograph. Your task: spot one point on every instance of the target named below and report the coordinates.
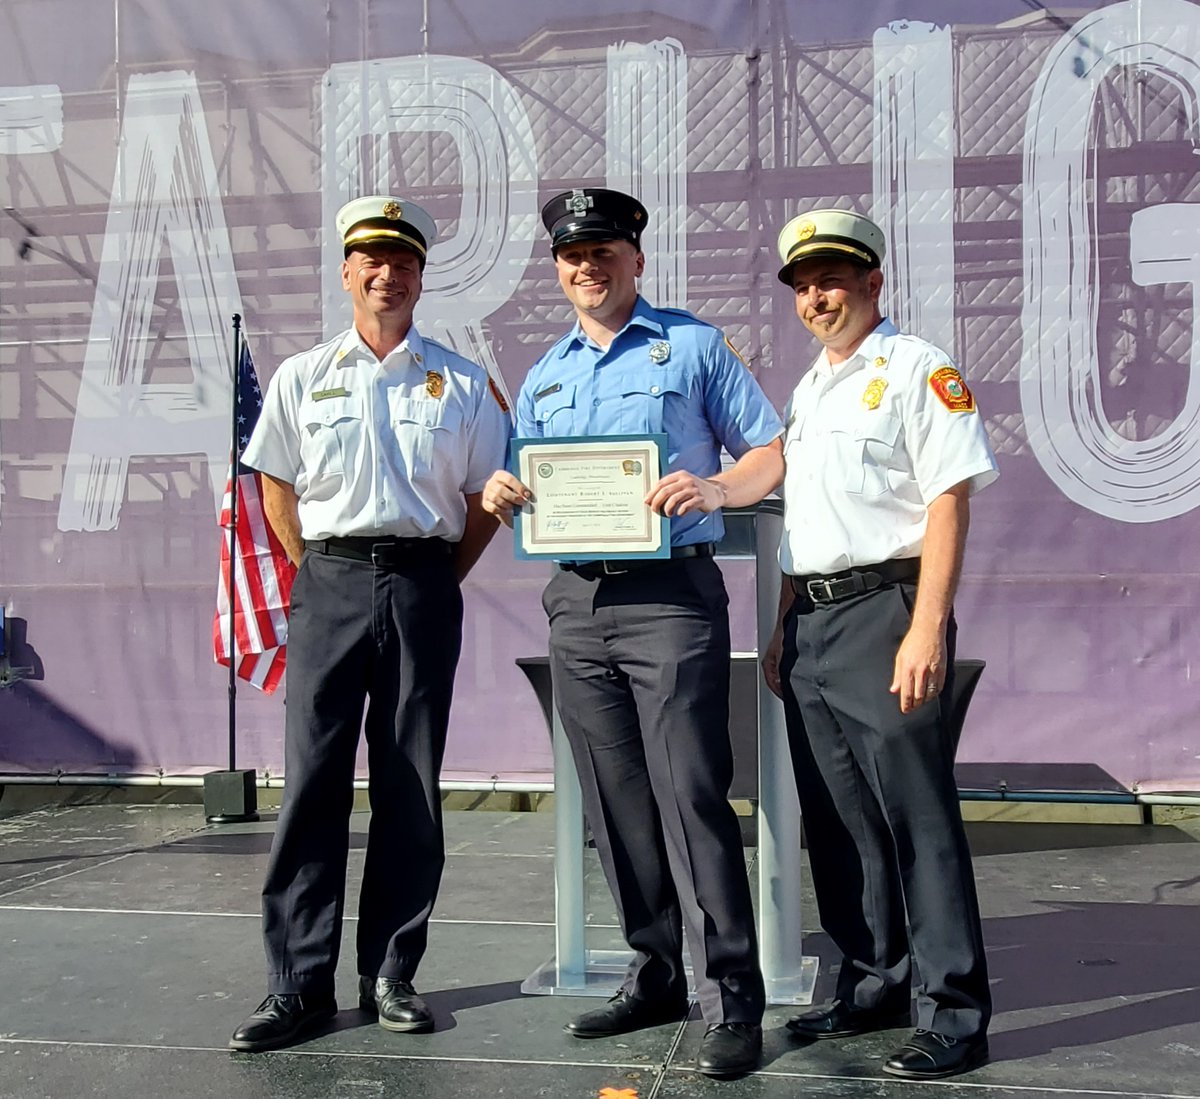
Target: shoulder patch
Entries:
(947, 383)
(495, 390)
(736, 354)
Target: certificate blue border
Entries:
(515, 447)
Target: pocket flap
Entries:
(332, 409)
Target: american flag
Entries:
(262, 573)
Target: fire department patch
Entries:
(498, 395)
(951, 390)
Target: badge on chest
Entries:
(873, 394)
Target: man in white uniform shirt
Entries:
(374, 448)
(884, 446)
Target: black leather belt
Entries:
(593, 570)
(852, 582)
(384, 553)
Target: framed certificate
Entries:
(588, 498)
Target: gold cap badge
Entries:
(393, 211)
(803, 232)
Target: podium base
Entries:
(601, 975)
(796, 991)
(230, 797)
(604, 970)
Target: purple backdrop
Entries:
(167, 164)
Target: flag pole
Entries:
(231, 796)
(235, 469)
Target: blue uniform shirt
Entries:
(695, 390)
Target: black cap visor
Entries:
(853, 251)
(573, 230)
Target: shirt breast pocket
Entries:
(865, 450)
(555, 412)
(426, 431)
(332, 434)
(646, 399)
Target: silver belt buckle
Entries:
(820, 591)
(609, 569)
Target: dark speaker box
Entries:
(230, 797)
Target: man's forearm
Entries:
(282, 507)
(756, 473)
(942, 558)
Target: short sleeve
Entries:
(947, 440)
(487, 446)
(274, 447)
(737, 408)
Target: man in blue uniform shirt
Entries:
(639, 650)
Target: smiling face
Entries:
(838, 302)
(383, 280)
(600, 277)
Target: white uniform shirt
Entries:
(869, 443)
(386, 448)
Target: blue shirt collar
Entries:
(643, 316)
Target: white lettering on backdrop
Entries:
(913, 146)
(1131, 480)
(646, 155)
(473, 272)
(164, 191)
(166, 188)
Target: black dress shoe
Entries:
(841, 1020)
(930, 1056)
(396, 1003)
(280, 1020)
(624, 1013)
(730, 1049)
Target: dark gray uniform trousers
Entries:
(393, 635)
(640, 667)
(881, 814)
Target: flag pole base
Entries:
(230, 797)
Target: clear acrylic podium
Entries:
(577, 970)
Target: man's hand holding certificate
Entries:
(598, 497)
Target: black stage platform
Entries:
(129, 950)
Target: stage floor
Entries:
(129, 951)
